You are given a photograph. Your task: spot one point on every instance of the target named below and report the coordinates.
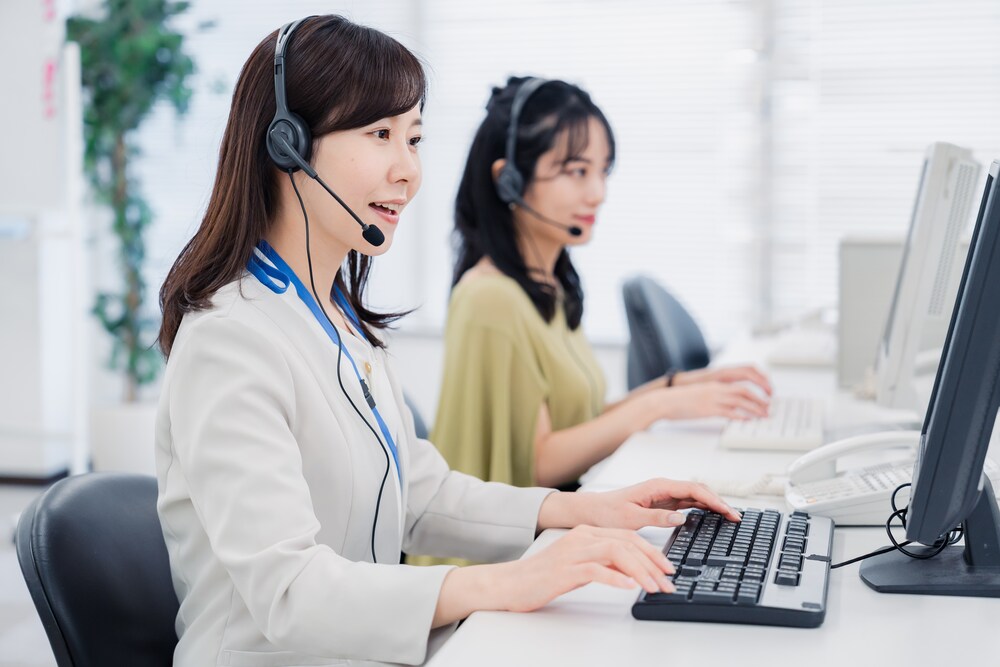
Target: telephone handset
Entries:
(858, 496)
(821, 463)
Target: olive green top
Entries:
(502, 362)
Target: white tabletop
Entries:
(594, 625)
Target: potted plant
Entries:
(131, 58)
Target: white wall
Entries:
(43, 309)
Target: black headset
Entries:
(289, 140)
(289, 143)
(510, 181)
(285, 123)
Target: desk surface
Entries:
(594, 625)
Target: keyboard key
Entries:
(748, 594)
(793, 543)
(666, 598)
(716, 597)
(724, 560)
(790, 562)
(786, 578)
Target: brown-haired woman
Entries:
(289, 474)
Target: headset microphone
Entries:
(572, 230)
(371, 233)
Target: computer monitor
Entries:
(949, 487)
(928, 277)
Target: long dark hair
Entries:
(340, 76)
(484, 225)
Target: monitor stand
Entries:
(972, 570)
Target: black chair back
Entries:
(92, 553)
(663, 336)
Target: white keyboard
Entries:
(792, 424)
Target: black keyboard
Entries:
(766, 570)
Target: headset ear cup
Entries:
(296, 132)
(510, 184)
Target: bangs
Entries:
(572, 132)
(384, 79)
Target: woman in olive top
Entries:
(522, 399)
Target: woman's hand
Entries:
(584, 555)
(651, 503)
(710, 399)
(607, 549)
(725, 375)
(602, 547)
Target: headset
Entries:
(289, 144)
(510, 181)
(289, 140)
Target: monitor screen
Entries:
(949, 490)
(963, 406)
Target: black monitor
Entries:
(949, 487)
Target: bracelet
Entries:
(670, 378)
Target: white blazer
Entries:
(268, 481)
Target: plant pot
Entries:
(122, 437)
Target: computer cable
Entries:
(949, 539)
(340, 353)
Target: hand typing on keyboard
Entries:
(740, 392)
(727, 375)
(601, 547)
(714, 399)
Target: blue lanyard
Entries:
(277, 278)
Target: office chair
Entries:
(419, 425)
(663, 335)
(93, 556)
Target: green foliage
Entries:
(130, 60)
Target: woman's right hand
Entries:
(585, 554)
(710, 399)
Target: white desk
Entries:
(594, 625)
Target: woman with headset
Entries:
(289, 473)
(522, 398)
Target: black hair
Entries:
(484, 225)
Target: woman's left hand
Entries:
(728, 374)
(654, 502)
